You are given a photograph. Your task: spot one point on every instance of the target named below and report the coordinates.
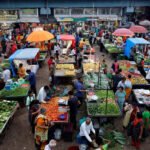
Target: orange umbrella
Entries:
(138, 29)
(123, 32)
(40, 36)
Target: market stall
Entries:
(7, 111)
(15, 90)
(129, 67)
(28, 57)
(64, 59)
(91, 67)
(101, 103)
(142, 96)
(64, 73)
(97, 81)
(136, 47)
(67, 42)
(89, 49)
(57, 110)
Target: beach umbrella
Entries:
(145, 23)
(123, 32)
(138, 29)
(40, 36)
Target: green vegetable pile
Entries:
(14, 93)
(93, 77)
(6, 108)
(102, 94)
(100, 109)
(112, 48)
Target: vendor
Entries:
(6, 74)
(86, 129)
(80, 89)
(42, 95)
(21, 71)
(32, 79)
(73, 105)
(141, 67)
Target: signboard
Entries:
(130, 9)
(28, 12)
(45, 11)
(108, 17)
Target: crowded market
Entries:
(78, 85)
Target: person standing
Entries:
(51, 146)
(80, 89)
(32, 80)
(6, 74)
(73, 105)
(122, 83)
(120, 97)
(128, 86)
(21, 71)
(115, 66)
(137, 131)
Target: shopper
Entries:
(137, 131)
(115, 66)
(120, 97)
(128, 86)
(30, 98)
(51, 146)
(41, 129)
(32, 80)
(122, 83)
(73, 105)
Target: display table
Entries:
(54, 110)
(142, 96)
(90, 67)
(104, 104)
(7, 111)
(64, 70)
(63, 59)
(112, 48)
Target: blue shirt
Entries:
(32, 79)
(79, 86)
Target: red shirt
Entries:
(50, 61)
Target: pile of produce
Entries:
(14, 93)
(52, 109)
(42, 55)
(147, 61)
(138, 80)
(100, 109)
(111, 48)
(5, 64)
(91, 67)
(69, 73)
(103, 93)
(65, 66)
(92, 78)
(6, 108)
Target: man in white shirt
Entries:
(86, 128)
(6, 75)
(51, 145)
(42, 95)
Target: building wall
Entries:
(14, 4)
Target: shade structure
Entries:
(138, 29)
(145, 23)
(123, 32)
(40, 36)
(65, 37)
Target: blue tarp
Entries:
(131, 42)
(23, 54)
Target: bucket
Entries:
(8, 87)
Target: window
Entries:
(28, 12)
(63, 11)
(77, 11)
(103, 11)
(90, 11)
(116, 11)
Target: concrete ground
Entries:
(19, 136)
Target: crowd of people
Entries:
(136, 122)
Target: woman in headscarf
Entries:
(41, 129)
